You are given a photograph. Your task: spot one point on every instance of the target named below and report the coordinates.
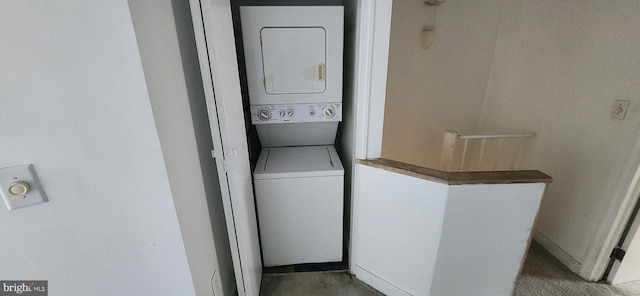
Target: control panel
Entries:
(292, 113)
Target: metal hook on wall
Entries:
(427, 34)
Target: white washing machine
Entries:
(293, 57)
(299, 194)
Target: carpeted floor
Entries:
(336, 283)
(542, 275)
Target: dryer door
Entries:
(293, 54)
(293, 60)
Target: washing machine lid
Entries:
(298, 162)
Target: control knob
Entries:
(329, 112)
(264, 114)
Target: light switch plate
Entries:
(619, 109)
(22, 173)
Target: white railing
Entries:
(482, 152)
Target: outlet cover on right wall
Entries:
(620, 109)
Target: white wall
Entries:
(559, 66)
(398, 223)
(556, 70)
(74, 103)
(167, 46)
(443, 87)
(416, 236)
(485, 236)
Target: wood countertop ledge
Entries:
(458, 178)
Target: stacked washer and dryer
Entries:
(293, 57)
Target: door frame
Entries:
(625, 196)
(373, 28)
(627, 237)
(215, 43)
(372, 45)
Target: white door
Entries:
(624, 232)
(216, 51)
(628, 269)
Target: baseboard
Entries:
(564, 257)
(325, 266)
(378, 283)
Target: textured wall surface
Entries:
(74, 103)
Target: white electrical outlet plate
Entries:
(20, 187)
(620, 109)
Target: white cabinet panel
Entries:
(300, 219)
(484, 238)
(412, 236)
(398, 225)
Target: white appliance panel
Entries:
(293, 54)
(295, 134)
(296, 124)
(300, 220)
(294, 113)
(299, 198)
(293, 60)
(298, 162)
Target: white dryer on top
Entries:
(293, 54)
(293, 57)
